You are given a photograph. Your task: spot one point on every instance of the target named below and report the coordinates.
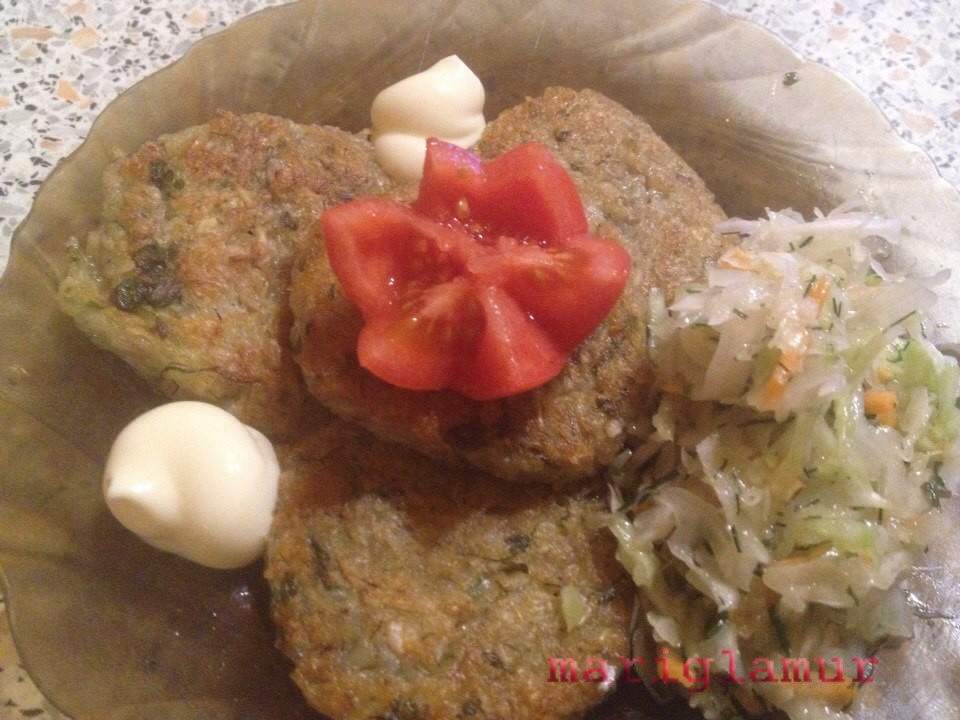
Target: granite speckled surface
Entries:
(62, 61)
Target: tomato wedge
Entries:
(483, 285)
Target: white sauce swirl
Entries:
(444, 101)
(191, 479)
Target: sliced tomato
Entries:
(424, 343)
(525, 193)
(357, 235)
(379, 249)
(452, 179)
(513, 354)
(529, 195)
(549, 282)
(485, 284)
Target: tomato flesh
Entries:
(483, 285)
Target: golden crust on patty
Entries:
(187, 278)
(407, 589)
(635, 190)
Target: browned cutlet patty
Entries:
(410, 590)
(187, 279)
(636, 190)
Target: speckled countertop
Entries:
(61, 62)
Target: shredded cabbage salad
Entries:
(804, 443)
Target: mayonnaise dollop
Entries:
(191, 479)
(444, 101)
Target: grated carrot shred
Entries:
(673, 669)
(790, 363)
(775, 389)
(837, 694)
(792, 360)
(882, 404)
(737, 259)
(819, 290)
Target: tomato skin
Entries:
(450, 174)
(539, 280)
(513, 354)
(523, 193)
(378, 248)
(483, 285)
(355, 235)
(422, 350)
(530, 195)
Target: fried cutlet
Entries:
(405, 588)
(187, 278)
(637, 191)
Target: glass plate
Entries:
(110, 628)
